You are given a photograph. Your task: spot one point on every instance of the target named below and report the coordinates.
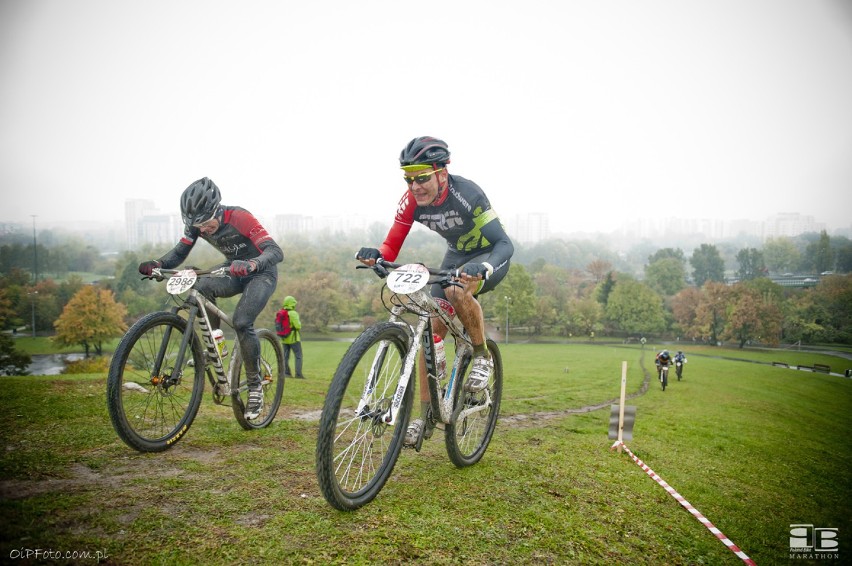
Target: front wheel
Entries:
(679, 370)
(271, 375)
(664, 377)
(151, 402)
(356, 449)
(474, 414)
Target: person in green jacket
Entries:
(288, 325)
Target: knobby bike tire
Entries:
(272, 375)
(467, 438)
(664, 376)
(151, 412)
(356, 453)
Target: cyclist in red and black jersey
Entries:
(477, 245)
(250, 252)
(663, 359)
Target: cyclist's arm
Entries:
(270, 252)
(400, 228)
(503, 248)
(393, 242)
(178, 254)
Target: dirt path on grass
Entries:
(528, 420)
(532, 420)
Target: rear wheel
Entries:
(474, 414)
(152, 407)
(271, 375)
(356, 449)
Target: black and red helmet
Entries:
(425, 150)
(199, 201)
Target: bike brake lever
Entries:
(380, 270)
(155, 275)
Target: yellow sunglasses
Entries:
(420, 179)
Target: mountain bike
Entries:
(679, 369)
(368, 405)
(664, 376)
(156, 376)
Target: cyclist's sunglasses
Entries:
(420, 179)
(204, 223)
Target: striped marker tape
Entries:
(687, 505)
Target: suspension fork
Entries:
(187, 336)
(408, 369)
(405, 375)
(161, 353)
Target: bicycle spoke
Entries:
(356, 448)
(151, 409)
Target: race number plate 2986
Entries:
(181, 281)
(408, 278)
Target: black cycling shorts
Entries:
(455, 260)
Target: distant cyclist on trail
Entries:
(252, 255)
(477, 245)
(664, 359)
(680, 361)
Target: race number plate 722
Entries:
(408, 278)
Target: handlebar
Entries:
(445, 277)
(161, 273)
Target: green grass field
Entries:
(755, 448)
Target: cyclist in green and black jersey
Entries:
(477, 245)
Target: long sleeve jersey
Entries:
(462, 216)
(240, 236)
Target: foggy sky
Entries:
(596, 113)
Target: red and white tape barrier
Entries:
(687, 505)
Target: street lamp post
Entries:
(35, 252)
(508, 300)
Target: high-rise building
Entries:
(791, 224)
(145, 224)
(134, 211)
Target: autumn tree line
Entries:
(557, 288)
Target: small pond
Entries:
(51, 364)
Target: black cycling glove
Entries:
(476, 269)
(369, 253)
(242, 268)
(146, 268)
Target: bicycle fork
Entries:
(157, 372)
